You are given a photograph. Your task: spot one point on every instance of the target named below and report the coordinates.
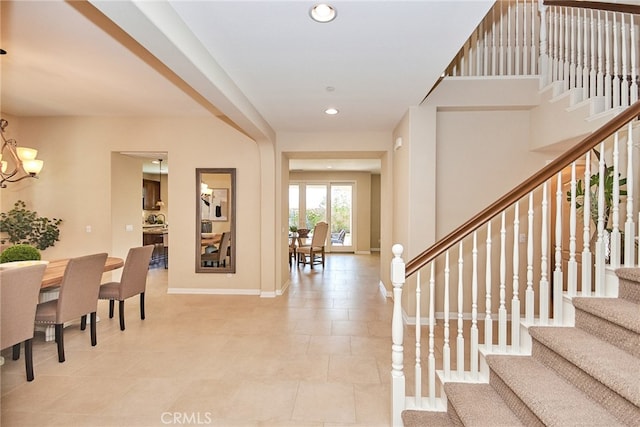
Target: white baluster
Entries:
(494, 47)
(397, 351)
(544, 53)
(565, 67)
(615, 238)
(600, 249)
(624, 101)
(607, 54)
(446, 350)
(572, 62)
(460, 338)
(488, 322)
(579, 35)
(418, 367)
(544, 282)
(556, 46)
(600, 75)
(501, 67)
(592, 71)
(529, 296)
(485, 59)
(432, 324)
(479, 50)
(515, 301)
(634, 65)
(585, 64)
(502, 310)
(587, 258)
(473, 354)
(616, 64)
(572, 265)
(533, 41)
(557, 272)
(629, 227)
(517, 41)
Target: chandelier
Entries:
(21, 163)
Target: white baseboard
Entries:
(362, 252)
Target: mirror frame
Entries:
(231, 266)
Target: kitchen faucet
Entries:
(164, 219)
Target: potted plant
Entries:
(19, 253)
(24, 226)
(593, 188)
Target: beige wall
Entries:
(83, 184)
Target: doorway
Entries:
(333, 202)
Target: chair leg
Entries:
(60, 341)
(83, 322)
(111, 304)
(142, 305)
(16, 352)
(28, 359)
(94, 337)
(121, 313)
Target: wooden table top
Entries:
(55, 270)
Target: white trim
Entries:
(271, 294)
(362, 252)
(201, 291)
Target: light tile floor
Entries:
(318, 356)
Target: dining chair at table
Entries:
(219, 257)
(19, 289)
(78, 297)
(314, 253)
(132, 282)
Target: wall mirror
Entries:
(216, 220)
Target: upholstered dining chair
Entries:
(78, 297)
(219, 257)
(132, 282)
(314, 253)
(19, 289)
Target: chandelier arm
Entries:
(10, 146)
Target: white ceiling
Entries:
(264, 65)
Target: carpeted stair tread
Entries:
(605, 362)
(413, 418)
(629, 283)
(553, 400)
(618, 311)
(479, 405)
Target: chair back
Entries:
(19, 289)
(134, 273)
(223, 248)
(80, 287)
(319, 234)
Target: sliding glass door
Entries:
(310, 203)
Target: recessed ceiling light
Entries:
(322, 12)
(331, 111)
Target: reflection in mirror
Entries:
(216, 220)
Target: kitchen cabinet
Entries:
(150, 194)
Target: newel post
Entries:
(397, 357)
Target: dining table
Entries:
(54, 272)
(52, 279)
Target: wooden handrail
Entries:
(523, 189)
(597, 5)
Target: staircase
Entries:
(586, 375)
